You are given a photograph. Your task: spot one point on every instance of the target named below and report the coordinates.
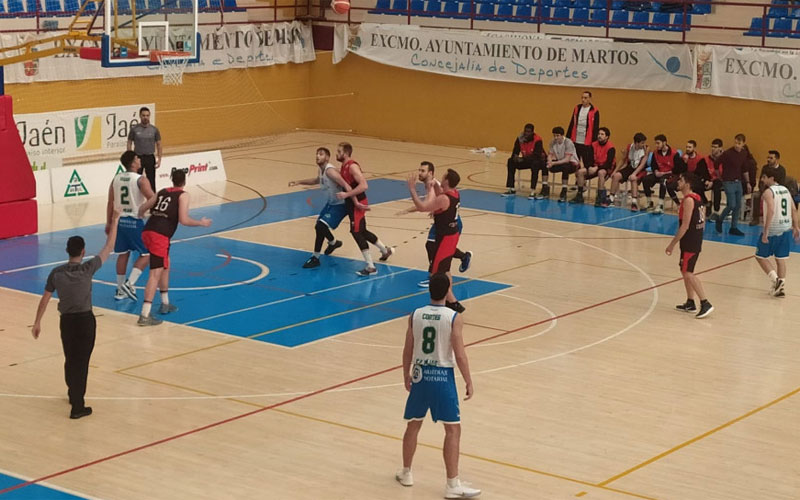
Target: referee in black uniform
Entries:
(73, 283)
(144, 139)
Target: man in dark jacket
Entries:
(528, 154)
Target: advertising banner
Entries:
(516, 57)
(225, 47)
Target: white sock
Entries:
(134, 277)
(146, 309)
(544, 183)
(380, 246)
(315, 254)
(120, 280)
(406, 470)
(368, 258)
(773, 276)
(453, 482)
(165, 297)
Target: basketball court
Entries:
(274, 381)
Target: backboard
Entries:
(135, 28)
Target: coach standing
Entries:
(144, 139)
(73, 283)
(584, 125)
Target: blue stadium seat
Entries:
(485, 11)
(560, 16)
(659, 22)
(141, 6)
(417, 7)
(522, 14)
(599, 4)
(380, 6)
(778, 12)
(214, 4)
(640, 20)
(677, 22)
(702, 8)
(655, 6)
(561, 4)
(201, 4)
(580, 4)
(31, 6)
(53, 6)
(15, 7)
(619, 18)
(90, 6)
(795, 12)
(123, 6)
(505, 11)
(580, 17)
(450, 9)
(433, 8)
(70, 5)
(544, 3)
(542, 13)
(617, 5)
(781, 27)
(598, 17)
(757, 27)
(182, 4)
(466, 9)
(399, 5)
(795, 32)
(230, 5)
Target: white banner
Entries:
(748, 73)
(518, 57)
(78, 132)
(92, 179)
(226, 47)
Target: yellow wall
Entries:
(412, 106)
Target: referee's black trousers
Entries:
(149, 169)
(77, 338)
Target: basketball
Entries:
(341, 6)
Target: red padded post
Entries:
(18, 210)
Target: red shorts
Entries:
(688, 261)
(443, 253)
(158, 245)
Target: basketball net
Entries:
(172, 68)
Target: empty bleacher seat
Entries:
(450, 9)
(640, 20)
(580, 4)
(678, 22)
(417, 7)
(505, 11)
(757, 27)
(580, 17)
(140, 5)
(32, 6)
(778, 12)
(53, 6)
(380, 6)
(399, 5)
(71, 5)
(485, 11)
(560, 16)
(561, 3)
(619, 18)
(15, 7)
(523, 14)
(659, 22)
(598, 17)
(543, 14)
(433, 8)
(701, 8)
(781, 27)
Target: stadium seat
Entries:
(417, 7)
(543, 14)
(140, 5)
(201, 4)
(53, 6)
(214, 4)
(599, 4)
(598, 17)
(660, 22)
(123, 6)
(778, 12)
(560, 16)
(399, 5)
(71, 5)
(450, 9)
(581, 4)
(505, 11)
(433, 8)
(677, 22)
(466, 9)
(703, 8)
(523, 14)
(619, 18)
(781, 28)
(544, 3)
(640, 20)
(380, 6)
(32, 6)
(15, 7)
(795, 32)
(561, 4)
(757, 27)
(485, 11)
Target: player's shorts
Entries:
(432, 232)
(688, 261)
(129, 236)
(443, 253)
(778, 245)
(332, 215)
(590, 175)
(358, 218)
(435, 388)
(158, 244)
(628, 171)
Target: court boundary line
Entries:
(332, 387)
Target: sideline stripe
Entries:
(698, 438)
(352, 381)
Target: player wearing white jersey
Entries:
(780, 223)
(434, 344)
(127, 193)
(334, 211)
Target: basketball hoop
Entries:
(172, 64)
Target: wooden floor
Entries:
(588, 383)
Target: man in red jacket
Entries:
(528, 154)
(584, 127)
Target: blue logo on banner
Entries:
(672, 66)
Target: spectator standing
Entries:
(735, 169)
